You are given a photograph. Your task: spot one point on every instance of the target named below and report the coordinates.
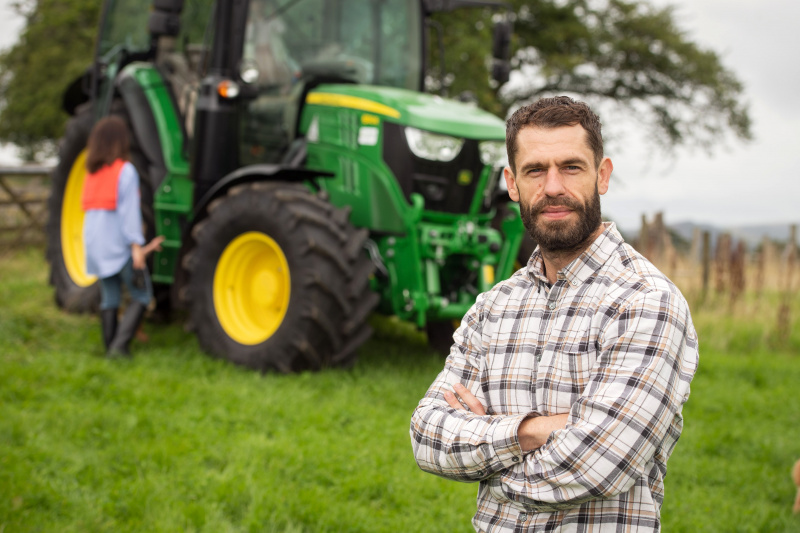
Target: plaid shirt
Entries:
(612, 344)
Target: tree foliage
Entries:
(623, 51)
(54, 48)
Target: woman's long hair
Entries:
(108, 141)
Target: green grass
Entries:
(177, 441)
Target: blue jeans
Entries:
(111, 288)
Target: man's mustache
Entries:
(569, 203)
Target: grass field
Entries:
(177, 441)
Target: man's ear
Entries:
(604, 175)
(511, 184)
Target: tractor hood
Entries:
(418, 110)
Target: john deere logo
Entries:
(465, 177)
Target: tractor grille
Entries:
(446, 186)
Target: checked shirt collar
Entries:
(582, 267)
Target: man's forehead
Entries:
(575, 131)
(546, 140)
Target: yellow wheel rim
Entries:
(72, 247)
(251, 288)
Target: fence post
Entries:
(737, 265)
(706, 262)
(787, 293)
(722, 262)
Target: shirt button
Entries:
(574, 282)
(515, 459)
(523, 516)
(551, 305)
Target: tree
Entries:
(622, 51)
(625, 51)
(54, 48)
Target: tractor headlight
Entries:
(493, 153)
(433, 146)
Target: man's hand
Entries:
(471, 403)
(533, 432)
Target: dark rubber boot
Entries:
(108, 321)
(126, 330)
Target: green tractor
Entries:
(300, 175)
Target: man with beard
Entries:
(563, 391)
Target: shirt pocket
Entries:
(565, 378)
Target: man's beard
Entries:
(562, 235)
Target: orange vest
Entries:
(100, 188)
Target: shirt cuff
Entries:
(505, 441)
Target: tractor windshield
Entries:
(376, 42)
(290, 43)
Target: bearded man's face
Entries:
(558, 184)
(567, 234)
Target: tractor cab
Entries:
(272, 53)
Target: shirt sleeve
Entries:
(627, 412)
(128, 205)
(458, 444)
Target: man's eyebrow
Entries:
(572, 161)
(533, 164)
(563, 163)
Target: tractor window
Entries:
(375, 42)
(196, 35)
(125, 27)
(183, 62)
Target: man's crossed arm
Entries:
(532, 432)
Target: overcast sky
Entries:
(753, 183)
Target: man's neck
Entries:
(555, 260)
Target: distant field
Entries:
(177, 441)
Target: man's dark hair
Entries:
(108, 141)
(553, 113)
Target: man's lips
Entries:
(556, 212)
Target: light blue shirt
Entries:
(108, 235)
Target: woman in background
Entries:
(112, 232)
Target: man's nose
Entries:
(554, 183)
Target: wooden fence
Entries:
(23, 205)
(724, 272)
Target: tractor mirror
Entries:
(501, 40)
(163, 24)
(170, 6)
(501, 70)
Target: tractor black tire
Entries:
(73, 291)
(246, 308)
